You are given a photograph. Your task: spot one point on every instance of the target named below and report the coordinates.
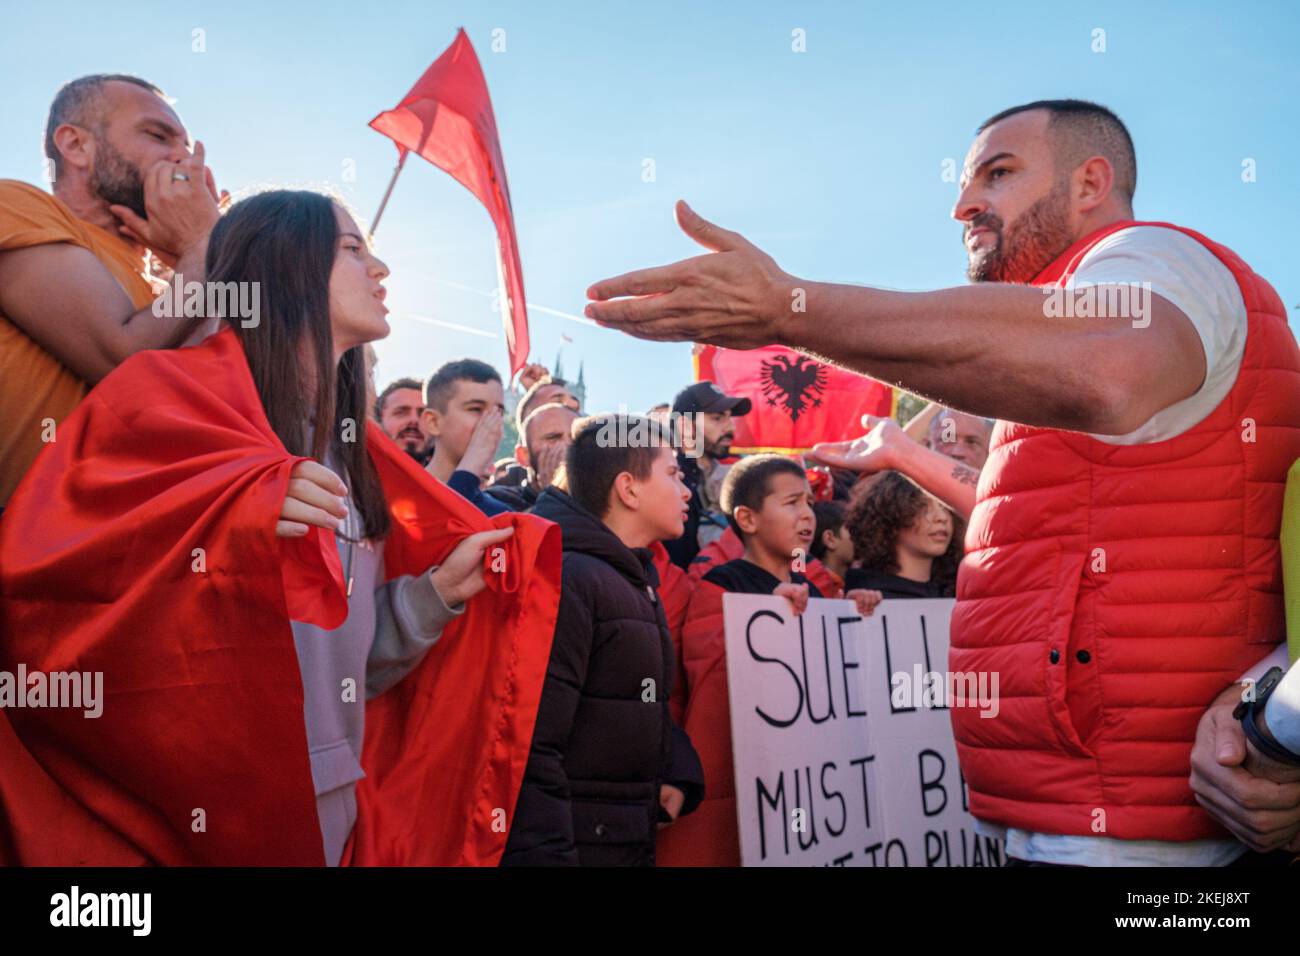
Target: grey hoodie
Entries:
(389, 628)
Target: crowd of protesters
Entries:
(654, 532)
(748, 524)
(863, 524)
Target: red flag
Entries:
(798, 401)
(447, 118)
(141, 546)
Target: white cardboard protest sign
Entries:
(841, 736)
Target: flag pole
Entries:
(374, 223)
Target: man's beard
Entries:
(420, 455)
(412, 439)
(718, 449)
(115, 180)
(1022, 251)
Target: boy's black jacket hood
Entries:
(583, 532)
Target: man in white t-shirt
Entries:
(1184, 272)
(1089, 760)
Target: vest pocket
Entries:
(1265, 618)
(1063, 681)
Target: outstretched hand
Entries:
(873, 452)
(735, 297)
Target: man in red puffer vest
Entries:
(1122, 569)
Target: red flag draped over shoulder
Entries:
(798, 401)
(141, 546)
(447, 118)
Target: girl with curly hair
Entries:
(907, 544)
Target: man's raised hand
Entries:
(874, 451)
(735, 297)
(548, 463)
(181, 212)
(530, 374)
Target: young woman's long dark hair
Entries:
(884, 506)
(285, 241)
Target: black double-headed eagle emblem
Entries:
(795, 383)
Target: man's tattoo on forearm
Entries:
(966, 475)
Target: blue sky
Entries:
(831, 159)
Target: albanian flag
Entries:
(798, 401)
(141, 547)
(447, 118)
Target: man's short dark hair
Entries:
(605, 446)
(1081, 129)
(80, 102)
(442, 383)
(830, 517)
(391, 387)
(750, 481)
(522, 410)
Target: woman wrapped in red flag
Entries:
(243, 601)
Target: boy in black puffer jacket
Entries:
(607, 765)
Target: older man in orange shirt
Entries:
(75, 293)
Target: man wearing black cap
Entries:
(703, 413)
